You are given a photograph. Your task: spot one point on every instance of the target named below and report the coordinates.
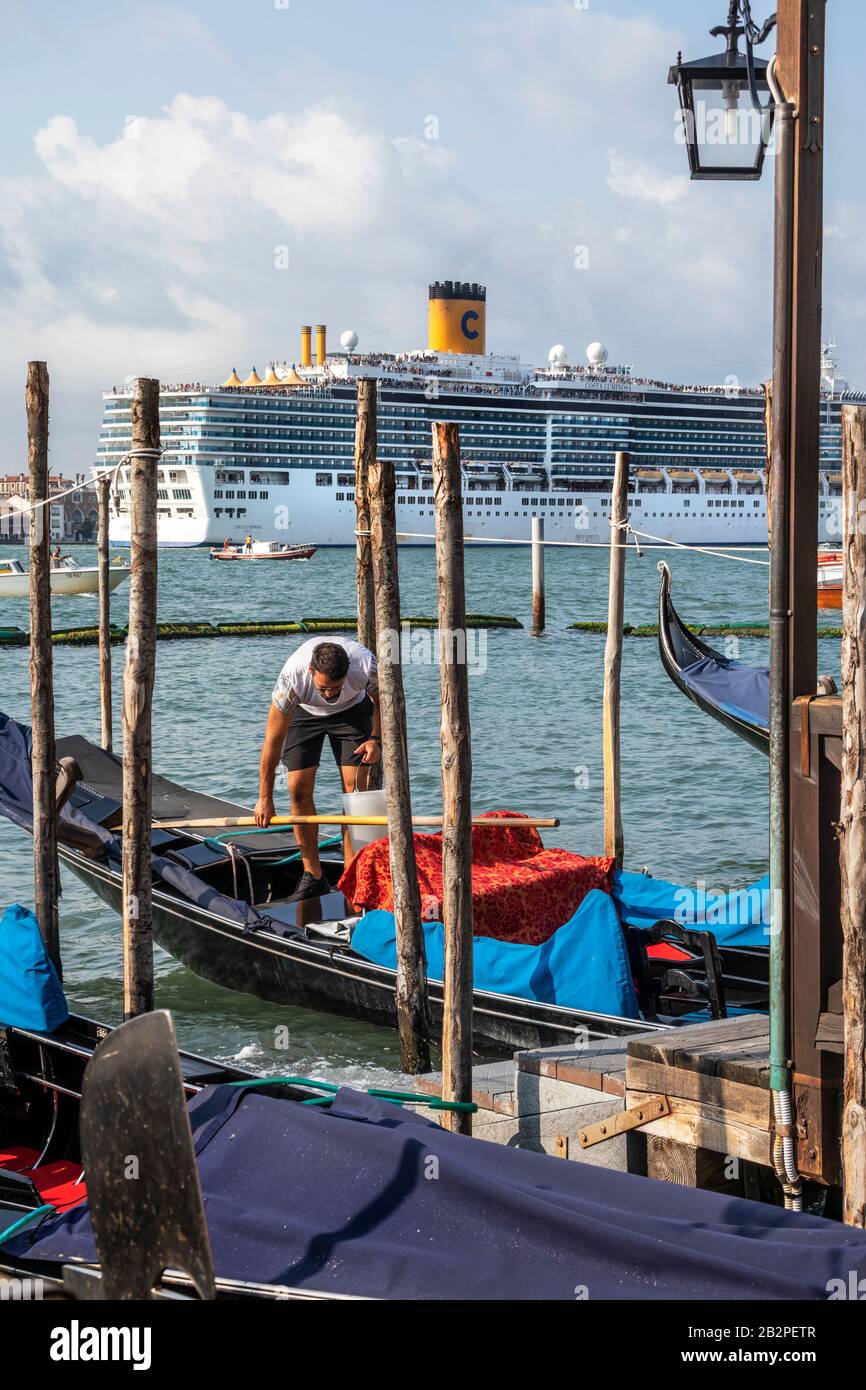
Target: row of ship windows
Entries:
(230, 492)
(178, 494)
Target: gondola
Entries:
(41, 1076)
(735, 694)
(225, 913)
(305, 1201)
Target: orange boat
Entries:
(830, 578)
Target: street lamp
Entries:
(726, 137)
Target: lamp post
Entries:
(726, 138)
(710, 92)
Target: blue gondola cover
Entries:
(31, 995)
(583, 965)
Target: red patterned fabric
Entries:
(521, 891)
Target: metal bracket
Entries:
(653, 1108)
(814, 139)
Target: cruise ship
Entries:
(272, 456)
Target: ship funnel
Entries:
(457, 317)
(321, 344)
(306, 345)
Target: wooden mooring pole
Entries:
(365, 457)
(138, 677)
(613, 837)
(44, 757)
(853, 817)
(413, 1016)
(366, 442)
(456, 776)
(103, 485)
(538, 614)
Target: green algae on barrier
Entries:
(87, 636)
(700, 629)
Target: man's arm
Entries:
(275, 733)
(372, 746)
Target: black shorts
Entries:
(345, 730)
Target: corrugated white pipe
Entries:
(784, 1154)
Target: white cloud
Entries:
(638, 179)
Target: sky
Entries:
(182, 185)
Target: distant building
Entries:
(73, 517)
(14, 519)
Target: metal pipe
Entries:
(780, 1074)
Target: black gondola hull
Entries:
(680, 648)
(332, 980)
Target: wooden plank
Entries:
(830, 1034)
(708, 1127)
(752, 1104)
(661, 1047)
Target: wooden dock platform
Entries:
(716, 1079)
(714, 1076)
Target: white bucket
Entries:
(365, 804)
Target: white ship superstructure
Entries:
(272, 457)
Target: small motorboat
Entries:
(830, 564)
(67, 578)
(264, 550)
(735, 694)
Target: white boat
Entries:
(264, 550)
(66, 578)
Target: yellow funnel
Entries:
(306, 346)
(457, 317)
(321, 344)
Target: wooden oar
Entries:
(142, 1181)
(231, 822)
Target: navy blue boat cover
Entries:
(739, 690)
(365, 1198)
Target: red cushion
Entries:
(57, 1182)
(521, 892)
(663, 951)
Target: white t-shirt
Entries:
(295, 686)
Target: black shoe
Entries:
(310, 887)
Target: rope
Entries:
(138, 452)
(723, 553)
(16, 1225)
(699, 549)
(467, 1107)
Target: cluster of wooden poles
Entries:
(378, 594)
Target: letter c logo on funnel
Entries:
(464, 324)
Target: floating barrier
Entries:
(705, 630)
(88, 636)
